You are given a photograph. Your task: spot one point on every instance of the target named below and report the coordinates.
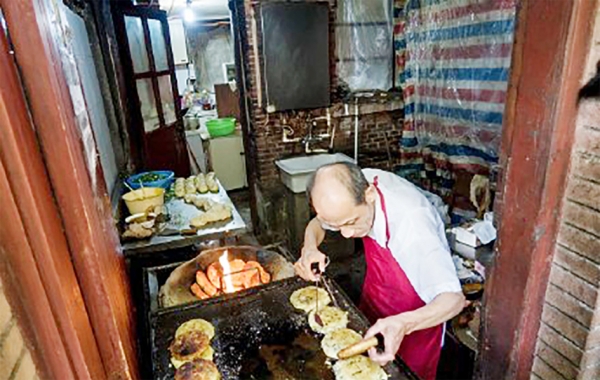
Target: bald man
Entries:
(411, 287)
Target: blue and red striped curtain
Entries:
(452, 62)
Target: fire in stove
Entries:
(228, 276)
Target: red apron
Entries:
(386, 292)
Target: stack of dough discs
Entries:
(306, 299)
(187, 347)
(337, 340)
(332, 318)
(358, 368)
(198, 369)
(192, 341)
(207, 354)
(196, 325)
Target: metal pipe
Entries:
(356, 131)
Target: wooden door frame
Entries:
(35, 264)
(551, 42)
(79, 196)
(138, 143)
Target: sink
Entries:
(294, 172)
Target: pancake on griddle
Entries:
(306, 299)
(189, 346)
(207, 354)
(358, 367)
(198, 369)
(330, 318)
(337, 340)
(201, 325)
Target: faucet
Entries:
(288, 135)
(309, 138)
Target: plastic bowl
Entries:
(221, 127)
(138, 201)
(166, 180)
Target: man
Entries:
(411, 287)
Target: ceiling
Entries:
(203, 9)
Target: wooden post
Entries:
(551, 43)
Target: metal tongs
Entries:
(322, 282)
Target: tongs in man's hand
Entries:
(322, 281)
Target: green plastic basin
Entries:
(221, 127)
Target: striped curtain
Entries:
(456, 56)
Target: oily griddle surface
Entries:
(259, 335)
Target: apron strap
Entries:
(387, 227)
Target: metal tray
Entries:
(261, 317)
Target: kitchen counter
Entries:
(180, 214)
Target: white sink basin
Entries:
(294, 172)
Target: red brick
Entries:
(26, 370)
(569, 305)
(573, 285)
(590, 373)
(584, 192)
(579, 241)
(586, 166)
(570, 329)
(560, 343)
(582, 217)
(588, 140)
(551, 357)
(593, 340)
(582, 267)
(591, 358)
(544, 371)
(11, 349)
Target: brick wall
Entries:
(15, 360)
(568, 345)
(378, 123)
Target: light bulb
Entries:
(188, 14)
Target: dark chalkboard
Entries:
(296, 55)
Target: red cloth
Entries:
(386, 292)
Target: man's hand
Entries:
(393, 330)
(309, 256)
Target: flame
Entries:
(229, 288)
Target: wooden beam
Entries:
(51, 79)
(551, 40)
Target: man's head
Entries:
(343, 199)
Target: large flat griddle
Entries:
(261, 319)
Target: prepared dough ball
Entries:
(198, 324)
(358, 368)
(207, 354)
(189, 346)
(337, 340)
(198, 369)
(306, 298)
(332, 318)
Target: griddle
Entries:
(261, 317)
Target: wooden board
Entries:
(228, 102)
(296, 54)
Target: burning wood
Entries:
(224, 276)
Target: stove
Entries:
(259, 334)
